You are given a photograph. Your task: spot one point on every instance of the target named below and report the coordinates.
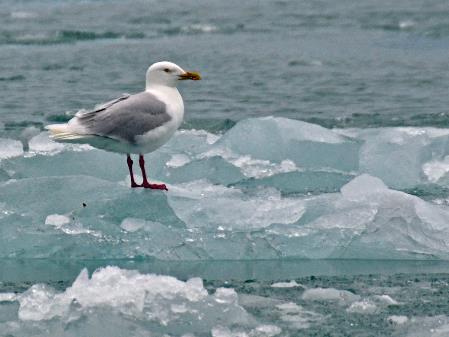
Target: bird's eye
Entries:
(167, 70)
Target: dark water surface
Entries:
(335, 63)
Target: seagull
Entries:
(133, 124)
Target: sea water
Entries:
(308, 186)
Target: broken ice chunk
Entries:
(10, 148)
(330, 294)
(42, 143)
(277, 139)
(57, 220)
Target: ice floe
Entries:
(269, 188)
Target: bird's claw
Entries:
(155, 186)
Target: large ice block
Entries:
(307, 145)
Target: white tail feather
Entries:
(62, 132)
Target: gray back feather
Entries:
(125, 117)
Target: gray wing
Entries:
(125, 117)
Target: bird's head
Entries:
(168, 74)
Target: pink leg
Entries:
(145, 183)
(130, 168)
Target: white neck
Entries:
(162, 88)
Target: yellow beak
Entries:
(190, 75)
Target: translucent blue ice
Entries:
(269, 188)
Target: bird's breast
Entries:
(155, 138)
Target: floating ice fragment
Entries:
(385, 300)
(397, 319)
(7, 297)
(225, 295)
(220, 331)
(41, 302)
(199, 28)
(63, 223)
(260, 331)
(436, 169)
(10, 148)
(266, 330)
(330, 294)
(363, 307)
(43, 144)
(290, 284)
(432, 326)
(405, 24)
(57, 220)
(297, 317)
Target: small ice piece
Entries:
(291, 284)
(330, 294)
(297, 317)
(405, 24)
(363, 307)
(266, 330)
(385, 300)
(426, 326)
(44, 145)
(199, 28)
(436, 169)
(397, 319)
(10, 148)
(57, 220)
(62, 222)
(225, 295)
(178, 160)
(220, 331)
(40, 302)
(7, 297)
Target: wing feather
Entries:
(124, 118)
